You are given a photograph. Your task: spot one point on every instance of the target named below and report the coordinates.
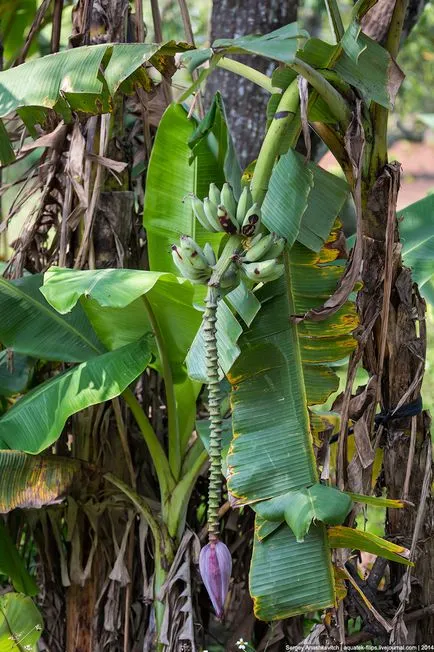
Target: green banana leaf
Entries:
(417, 234)
(36, 420)
(81, 79)
(12, 565)
(32, 481)
(213, 133)
(125, 304)
(15, 372)
(30, 326)
(271, 452)
(21, 623)
(281, 44)
(171, 177)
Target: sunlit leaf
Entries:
(37, 419)
(20, 623)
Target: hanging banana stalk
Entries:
(252, 254)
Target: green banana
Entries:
(211, 214)
(259, 249)
(277, 247)
(209, 254)
(245, 202)
(199, 213)
(227, 221)
(230, 277)
(187, 271)
(193, 254)
(252, 221)
(214, 194)
(267, 270)
(228, 200)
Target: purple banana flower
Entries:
(215, 564)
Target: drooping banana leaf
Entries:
(21, 623)
(36, 420)
(81, 79)
(272, 452)
(30, 326)
(125, 304)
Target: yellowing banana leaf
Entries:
(32, 481)
(81, 79)
(12, 565)
(36, 420)
(346, 537)
(378, 501)
(271, 452)
(21, 623)
(318, 503)
(24, 312)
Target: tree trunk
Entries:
(246, 103)
(394, 354)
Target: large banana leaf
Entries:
(271, 452)
(37, 419)
(31, 481)
(171, 177)
(125, 304)
(21, 623)
(80, 79)
(30, 326)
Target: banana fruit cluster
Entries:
(221, 212)
(259, 252)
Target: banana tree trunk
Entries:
(393, 316)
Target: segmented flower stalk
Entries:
(214, 402)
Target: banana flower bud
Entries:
(215, 565)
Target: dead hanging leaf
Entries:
(29, 481)
(363, 443)
(75, 165)
(304, 98)
(119, 572)
(54, 140)
(115, 166)
(176, 593)
(354, 146)
(360, 401)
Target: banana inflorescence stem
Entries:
(214, 401)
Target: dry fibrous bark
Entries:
(246, 104)
(393, 312)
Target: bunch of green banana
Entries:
(193, 262)
(259, 262)
(221, 212)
